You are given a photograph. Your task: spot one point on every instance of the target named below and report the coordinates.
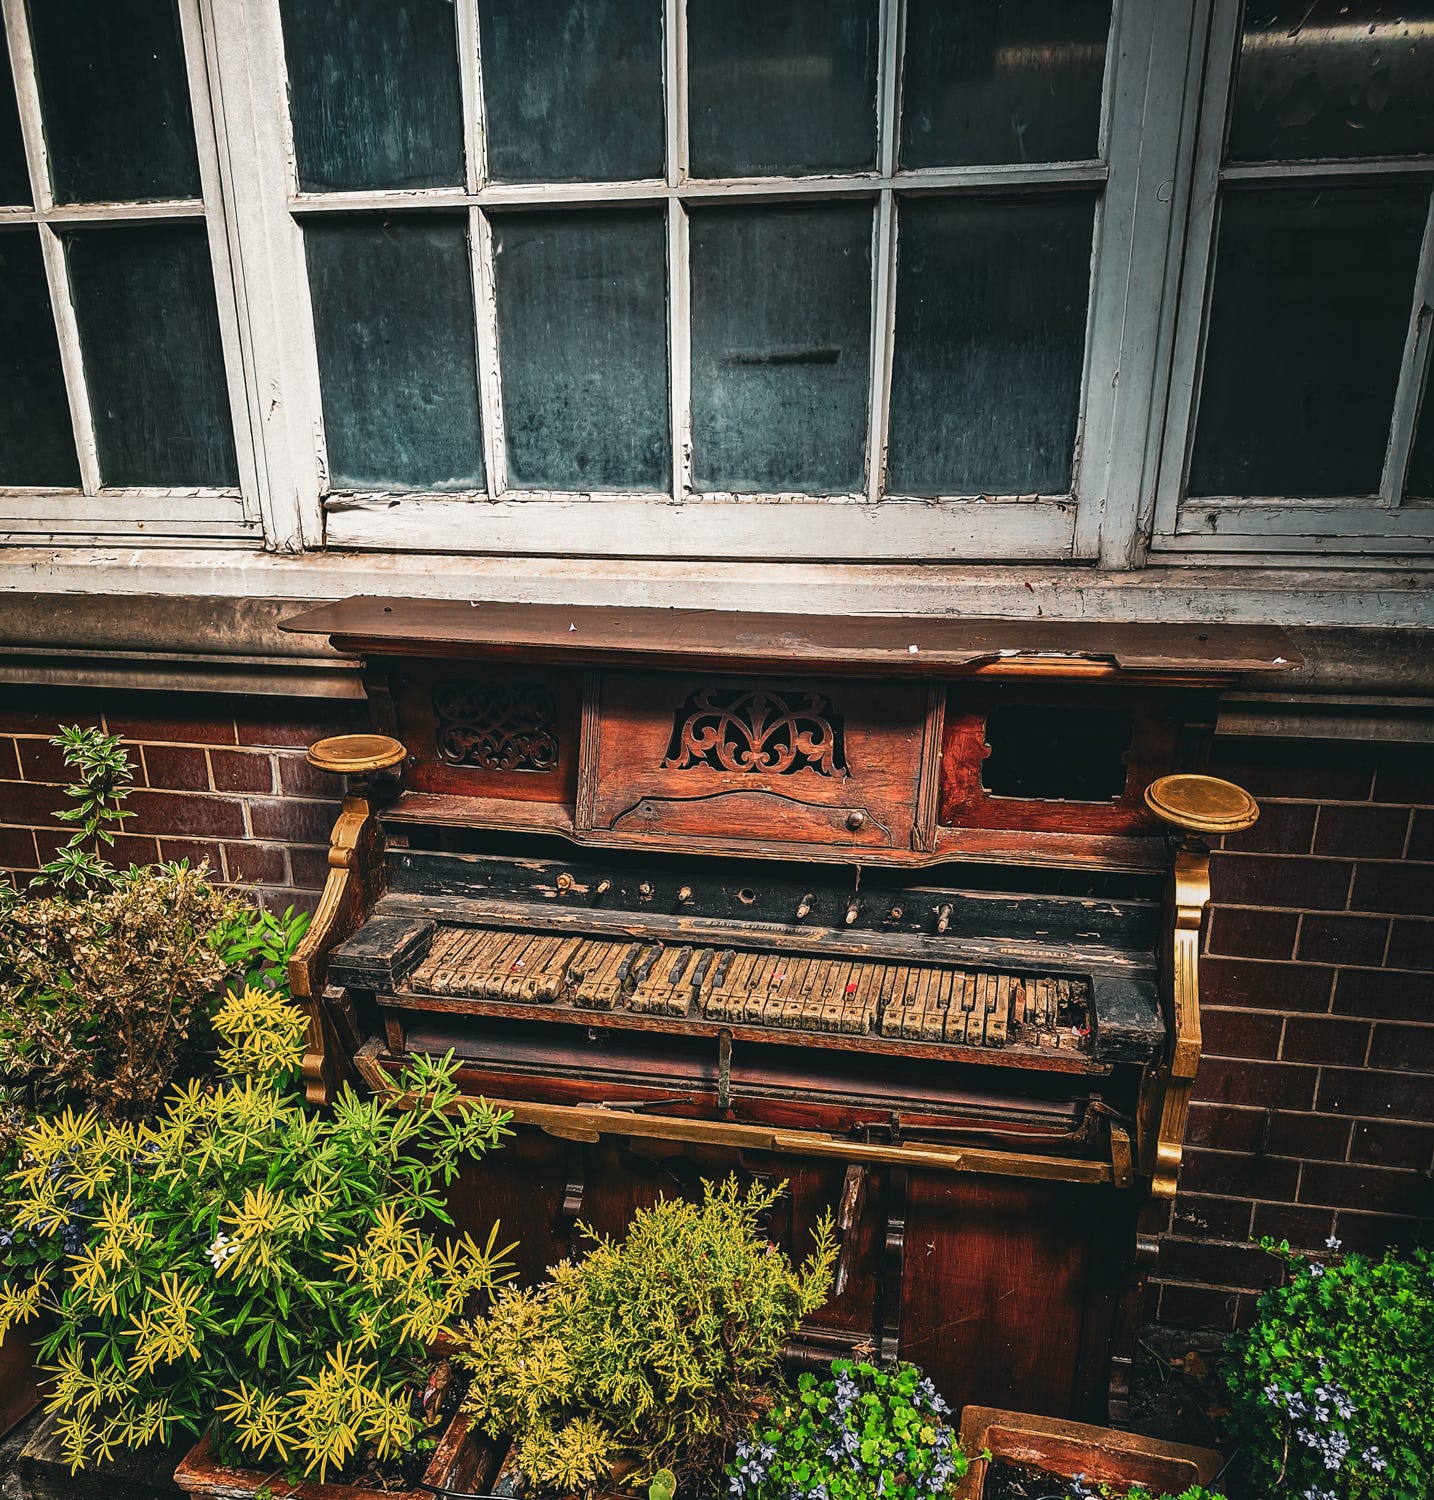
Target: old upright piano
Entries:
(903, 912)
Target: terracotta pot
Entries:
(19, 1387)
(464, 1460)
(1063, 1449)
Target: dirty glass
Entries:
(991, 298)
(1420, 478)
(582, 340)
(781, 329)
(149, 338)
(374, 93)
(1334, 78)
(393, 321)
(1002, 81)
(14, 178)
(572, 89)
(782, 89)
(1312, 294)
(114, 100)
(37, 445)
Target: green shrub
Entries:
(649, 1352)
(868, 1433)
(1332, 1390)
(244, 1260)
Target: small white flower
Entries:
(221, 1250)
(1333, 1242)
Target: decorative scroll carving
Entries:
(756, 730)
(496, 726)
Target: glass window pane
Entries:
(114, 99)
(582, 338)
(1419, 481)
(393, 320)
(1311, 302)
(782, 89)
(14, 177)
(1334, 78)
(37, 445)
(573, 89)
(149, 335)
(781, 332)
(374, 93)
(1002, 81)
(991, 298)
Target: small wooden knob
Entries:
(356, 754)
(1201, 804)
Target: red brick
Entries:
(1241, 933)
(17, 849)
(1309, 770)
(1308, 1136)
(1235, 1174)
(297, 778)
(1372, 1234)
(1197, 1306)
(242, 771)
(1324, 1039)
(1241, 1033)
(1362, 832)
(255, 863)
(1377, 1096)
(279, 729)
(1367, 1189)
(310, 867)
(292, 821)
(1223, 1128)
(1304, 1228)
(38, 710)
(9, 760)
(172, 718)
(195, 851)
(42, 761)
(1384, 993)
(1390, 1143)
(1406, 774)
(183, 813)
(30, 802)
(1326, 937)
(1406, 1048)
(1284, 828)
(1405, 888)
(1267, 1085)
(176, 768)
(1421, 836)
(1280, 880)
(1211, 1218)
(1411, 945)
(1226, 1265)
(276, 901)
(128, 848)
(1265, 986)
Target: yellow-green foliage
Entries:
(652, 1350)
(244, 1257)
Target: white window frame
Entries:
(1141, 131)
(143, 515)
(1233, 528)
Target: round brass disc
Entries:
(354, 754)
(1201, 804)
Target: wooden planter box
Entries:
(464, 1460)
(1063, 1449)
(19, 1387)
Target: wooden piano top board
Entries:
(853, 645)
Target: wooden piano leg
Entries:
(893, 1270)
(1130, 1313)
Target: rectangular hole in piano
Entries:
(1037, 754)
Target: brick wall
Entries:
(218, 778)
(1315, 1103)
(1315, 1099)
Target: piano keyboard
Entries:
(789, 991)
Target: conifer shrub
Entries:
(649, 1353)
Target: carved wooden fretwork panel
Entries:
(496, 726)
(756, 730)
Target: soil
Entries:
(1017, 1482)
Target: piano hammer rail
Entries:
(581, 1122)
